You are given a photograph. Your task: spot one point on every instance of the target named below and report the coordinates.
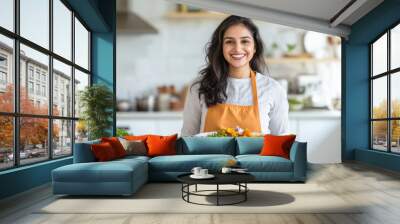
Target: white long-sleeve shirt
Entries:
(272, 102)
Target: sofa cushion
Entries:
(111, 171)
(257, 163)
(252, 145)
(133, 158)
(206, 145)
(185, 163)
(83, 152)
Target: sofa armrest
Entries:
(298, 155)
(83, 152)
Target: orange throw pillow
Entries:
(161, 145)
(116, 145)
(275, 145)
(103, 152)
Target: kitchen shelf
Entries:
(287, 60)
(195, 15)
(178, 115)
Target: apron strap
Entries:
(254, 89)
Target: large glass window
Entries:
(81, 81)
(62, 137)
(395, 47)
(7, 14)
(62, 33)
(33, 140)
(385, 94)
(6, 74)
(40, 62)
(62, 91)
(6, 142)
(35, 21)
(48, 79)
(379, 56)
(81, 45)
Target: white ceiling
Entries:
(321, 9)
(315, 15)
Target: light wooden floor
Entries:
(378, 188)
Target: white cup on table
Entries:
(196, 170)
(203, 172)
(226, 170)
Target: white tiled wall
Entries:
(176, 53)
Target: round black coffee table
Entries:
(238, 179)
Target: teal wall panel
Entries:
(104, 53)
(356, 101)
(24, 178)
(90, 13)
(376, 158)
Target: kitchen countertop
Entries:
(304, 114)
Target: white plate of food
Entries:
(208, 176)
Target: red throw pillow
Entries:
(116, 145)
(277, 145)
(103, 151)
(161, 145)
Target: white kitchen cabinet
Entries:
(159, 123)
(320, 129)
(322, 134)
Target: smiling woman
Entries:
(232, 89)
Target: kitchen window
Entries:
(3, 61)
(30, 87)
(384, 91)
(3, 78)
(46, 44)
(30, 72)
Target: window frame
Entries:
(16, 115)
(388, 74)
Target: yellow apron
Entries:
(224, 115)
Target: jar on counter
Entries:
(163, 100)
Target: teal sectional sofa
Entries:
(125, 176)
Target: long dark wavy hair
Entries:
(214, 76)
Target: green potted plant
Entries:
(290, 49)
(295, 104)
(96, 102)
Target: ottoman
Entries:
(118, 177)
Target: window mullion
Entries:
(389, 76)
(371, 145)
(16, 70)
(50, 81)
(73, 82)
